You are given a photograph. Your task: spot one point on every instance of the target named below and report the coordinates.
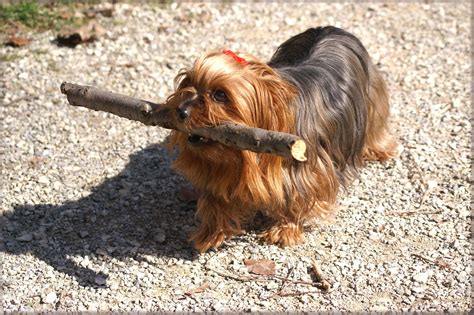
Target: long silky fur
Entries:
(320, 85)
(341, 111)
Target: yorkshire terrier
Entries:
(320, 85)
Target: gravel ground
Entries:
(91, 218)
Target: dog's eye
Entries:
(219, 96)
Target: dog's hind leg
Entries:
(380, 144)
(284, 234)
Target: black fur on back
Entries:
(330, 68)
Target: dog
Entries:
(320, 85)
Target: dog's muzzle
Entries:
(183, 111)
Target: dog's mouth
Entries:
(196, 139)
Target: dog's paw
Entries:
(287, 234)
(204, 240)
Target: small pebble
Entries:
(100, 280)
(25, 238)
(50, 298)
(160, 237)
(421, 277)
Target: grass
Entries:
(26, 13)
(34, 16)
(9, 57)
(54, 67)
(39, 51)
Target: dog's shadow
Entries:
(133, 214)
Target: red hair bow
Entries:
(242, 61)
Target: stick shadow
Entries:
(133, 214)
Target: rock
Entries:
(272, 286)
(85, 262)
(421, 277)
(23, 75)
(43, 180)
(160, 237)
(25, 238)
(100, 280)
(50, 298)
(417, 290)
(114, 286)
(100, 251)
(432, 184)
(290, 21)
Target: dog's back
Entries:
(299, 48)
(330, 68)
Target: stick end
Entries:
(65, 87)
(298, 150)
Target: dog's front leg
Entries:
(218, 221)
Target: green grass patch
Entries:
(54, 67)
(117, 22)
(39, 51)
(9, 57)
(35, 16)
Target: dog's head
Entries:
(225, 87)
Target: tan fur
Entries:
(380, 145)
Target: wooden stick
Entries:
(319, 276)
(438, 262)
(233, 135)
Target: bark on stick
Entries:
(233, 135)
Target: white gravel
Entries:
(90, 214)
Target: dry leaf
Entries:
(199, 289)
(37, 161)
(127, 65)
(264, 267)
(15, 41)
(87, 33)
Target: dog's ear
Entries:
(182, 79)
(273, 97)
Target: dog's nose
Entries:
(183, 113)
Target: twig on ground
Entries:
(411, 212)
(199, 289)
(438, 262)
(297, 293)
(319, 276)
(21, 98)
(424, 197)
(260, 278)
(237, 278)
(290, 271)
(283, 283)
(294, 281)
(321, 283)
